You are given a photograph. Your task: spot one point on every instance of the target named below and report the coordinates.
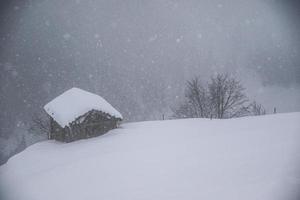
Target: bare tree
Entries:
(196, 103)
(227, 97)
(197, 97)
(222, 97)
(40, 124)
(257, 109)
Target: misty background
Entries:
(138, 55)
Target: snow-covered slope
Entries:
(255, 158)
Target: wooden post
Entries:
(275, 111)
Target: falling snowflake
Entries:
(248, 21)
(14, 73)
(114, 25)
(99, 43)
(67, 36)
(152, 38)
(47, 23)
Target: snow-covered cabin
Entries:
(78, 114)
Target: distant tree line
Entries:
(222, 97)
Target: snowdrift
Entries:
(238, 159)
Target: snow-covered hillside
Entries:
(255, 158)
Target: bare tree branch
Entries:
(257, 109)
(40, 124)
(227, 96)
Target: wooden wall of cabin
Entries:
(98, 123)
(93, 123)
(57, 132)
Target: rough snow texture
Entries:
(76, 102)
(254, 158)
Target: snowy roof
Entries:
(76, 102)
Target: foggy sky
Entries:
(139, 54)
